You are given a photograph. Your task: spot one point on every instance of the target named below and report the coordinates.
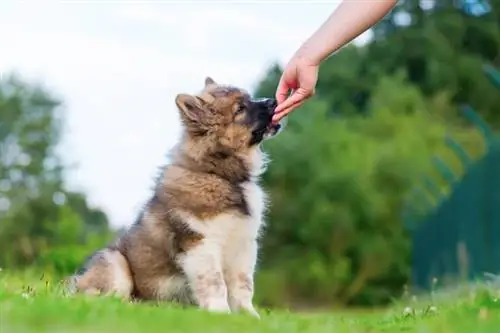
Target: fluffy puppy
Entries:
(196, 239)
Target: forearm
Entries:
(349, 20)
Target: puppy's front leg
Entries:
(239, 267)
(202, 266)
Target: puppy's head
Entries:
(227, 116)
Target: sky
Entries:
(118, 65)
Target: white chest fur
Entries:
(232, 226)
(256, 201)
(254, 195)
(220, 269)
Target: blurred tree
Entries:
(95, 220)
(266, 86)
(436, 43)
(338, 186)
(36, 211)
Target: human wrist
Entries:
(319, 46)
(309, 55)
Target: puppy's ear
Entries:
(209, 81)
(191, 107)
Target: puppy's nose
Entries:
(271, 104)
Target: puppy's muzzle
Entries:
(268, 104)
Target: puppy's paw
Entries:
(246, 307)
(251, 311)
(217, 305)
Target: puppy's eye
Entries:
(240, 109)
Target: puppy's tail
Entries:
(71, 284)
(106, 272)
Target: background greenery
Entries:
(340, 173)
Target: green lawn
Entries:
(35, 305)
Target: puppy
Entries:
(196, 239)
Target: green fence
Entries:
(460, 238)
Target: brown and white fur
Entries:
(196, 240)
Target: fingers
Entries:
(285, 84)
(278, 116)
(281, 91)
(296, 97)
(302, 87)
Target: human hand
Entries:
(300, 76)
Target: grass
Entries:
(30, 304)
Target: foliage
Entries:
(437, 45)
(339, 183)
(38, 214)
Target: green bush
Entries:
(64, 260)
(338, 186)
